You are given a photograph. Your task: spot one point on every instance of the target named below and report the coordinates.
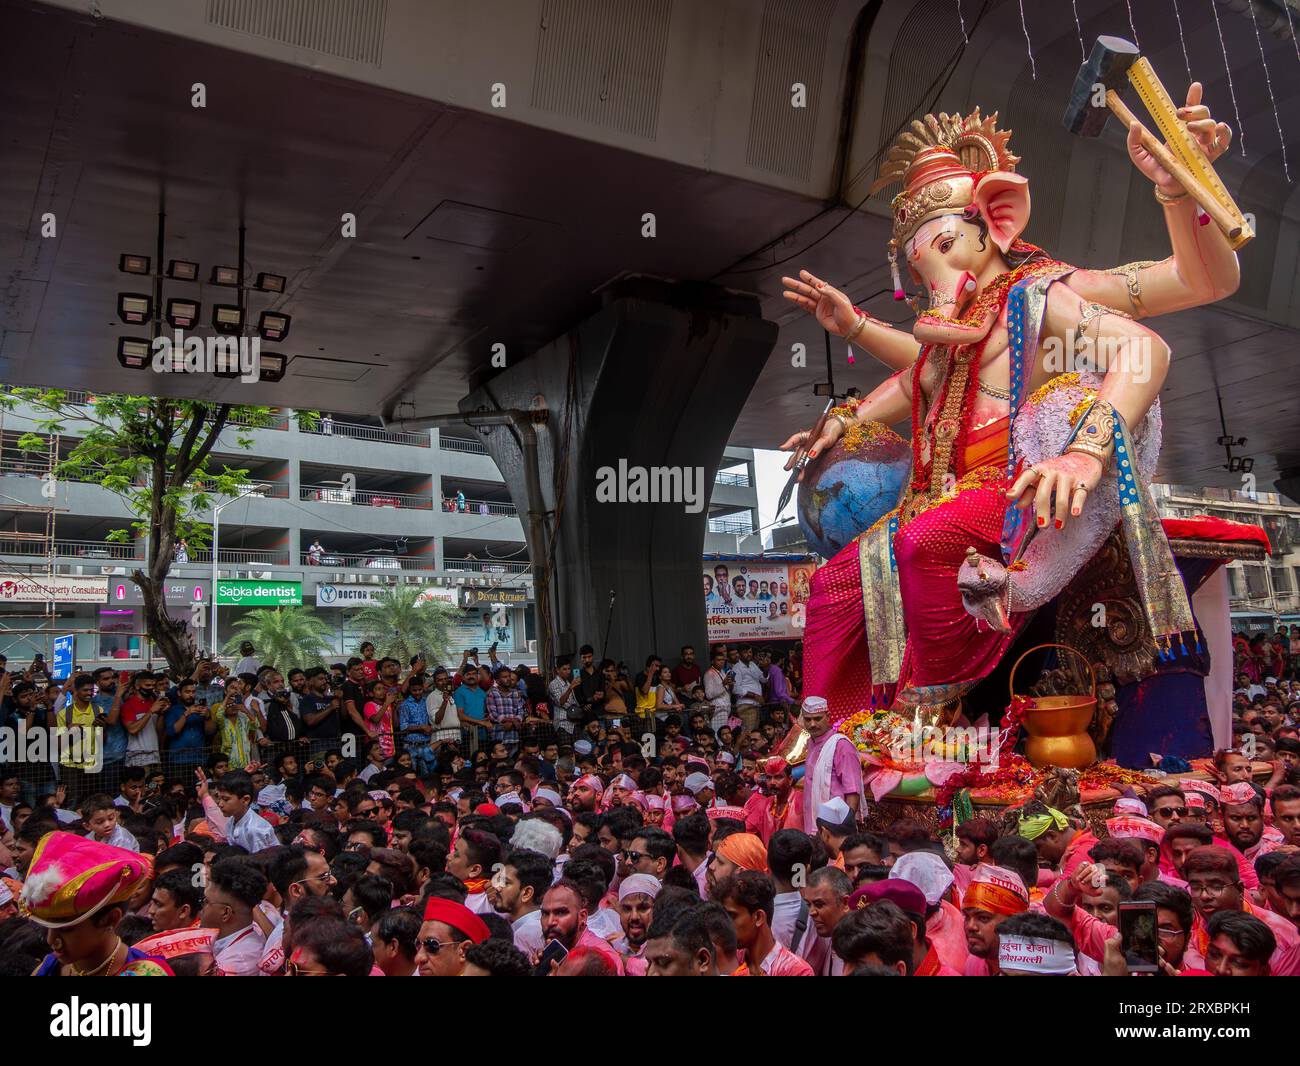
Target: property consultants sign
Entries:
(31, 589)
(259, 593)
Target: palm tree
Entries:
(285, 637)
(401, 625)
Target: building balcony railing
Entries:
(479, 507)
(277, 421)
(487, 566)
(731, 525)
(271, 490)
(332, 427)
(37, 545)
(240, 556)
(363, 497)
(728, 477)
(459, 444)
(367, 561)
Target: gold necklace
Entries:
(92, 971)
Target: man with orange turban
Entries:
(739, 851)
(995, 893)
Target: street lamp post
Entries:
(217, 508)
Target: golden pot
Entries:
(1056, 731)
(1056, 727)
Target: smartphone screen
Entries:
(1140, 938)
(554, 951)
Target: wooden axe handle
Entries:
(1222, 216)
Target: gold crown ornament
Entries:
(938, 161)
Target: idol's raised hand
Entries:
(1214, 138)
(834, 310)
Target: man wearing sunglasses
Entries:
(296, 873)
(447, 932)
(1167, 805)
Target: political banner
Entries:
(747, 600)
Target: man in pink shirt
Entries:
(1214, 884)
(564, 918)
(1243, 822)
(748, 897)
(776, 803)
(832, 768)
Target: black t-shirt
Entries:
(328, 727)
(347, 727)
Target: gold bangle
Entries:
(842, 419)
(862, 321)
(1164, 198)
(1096, 436)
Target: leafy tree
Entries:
(400, 625)
(284, 637)
(153, 452)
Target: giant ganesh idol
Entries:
(1031, 390)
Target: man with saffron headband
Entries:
(776, 803)
(1243, 822)
(1215, 887)
(995, 893)
(448, 931)
(1060, 845)
(990, 417)
(77, 889)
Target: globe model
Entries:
(848, 488)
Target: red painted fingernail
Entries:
(1059, 523)
(1042, 521)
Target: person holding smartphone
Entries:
(142, 718)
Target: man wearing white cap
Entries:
(636, 897)
(835, 824)
(833, 767)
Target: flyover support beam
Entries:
(641, 399)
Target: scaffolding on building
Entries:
(40, 543)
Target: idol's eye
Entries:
(945, 245)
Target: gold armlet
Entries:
(1096, 436)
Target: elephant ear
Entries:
(1003, 201)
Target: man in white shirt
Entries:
(717, 690)
(441, 704)
(228, 809)
(516, 892)
(747, 686)
(234, 888)
(789, 856)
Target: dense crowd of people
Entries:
(374, 818)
